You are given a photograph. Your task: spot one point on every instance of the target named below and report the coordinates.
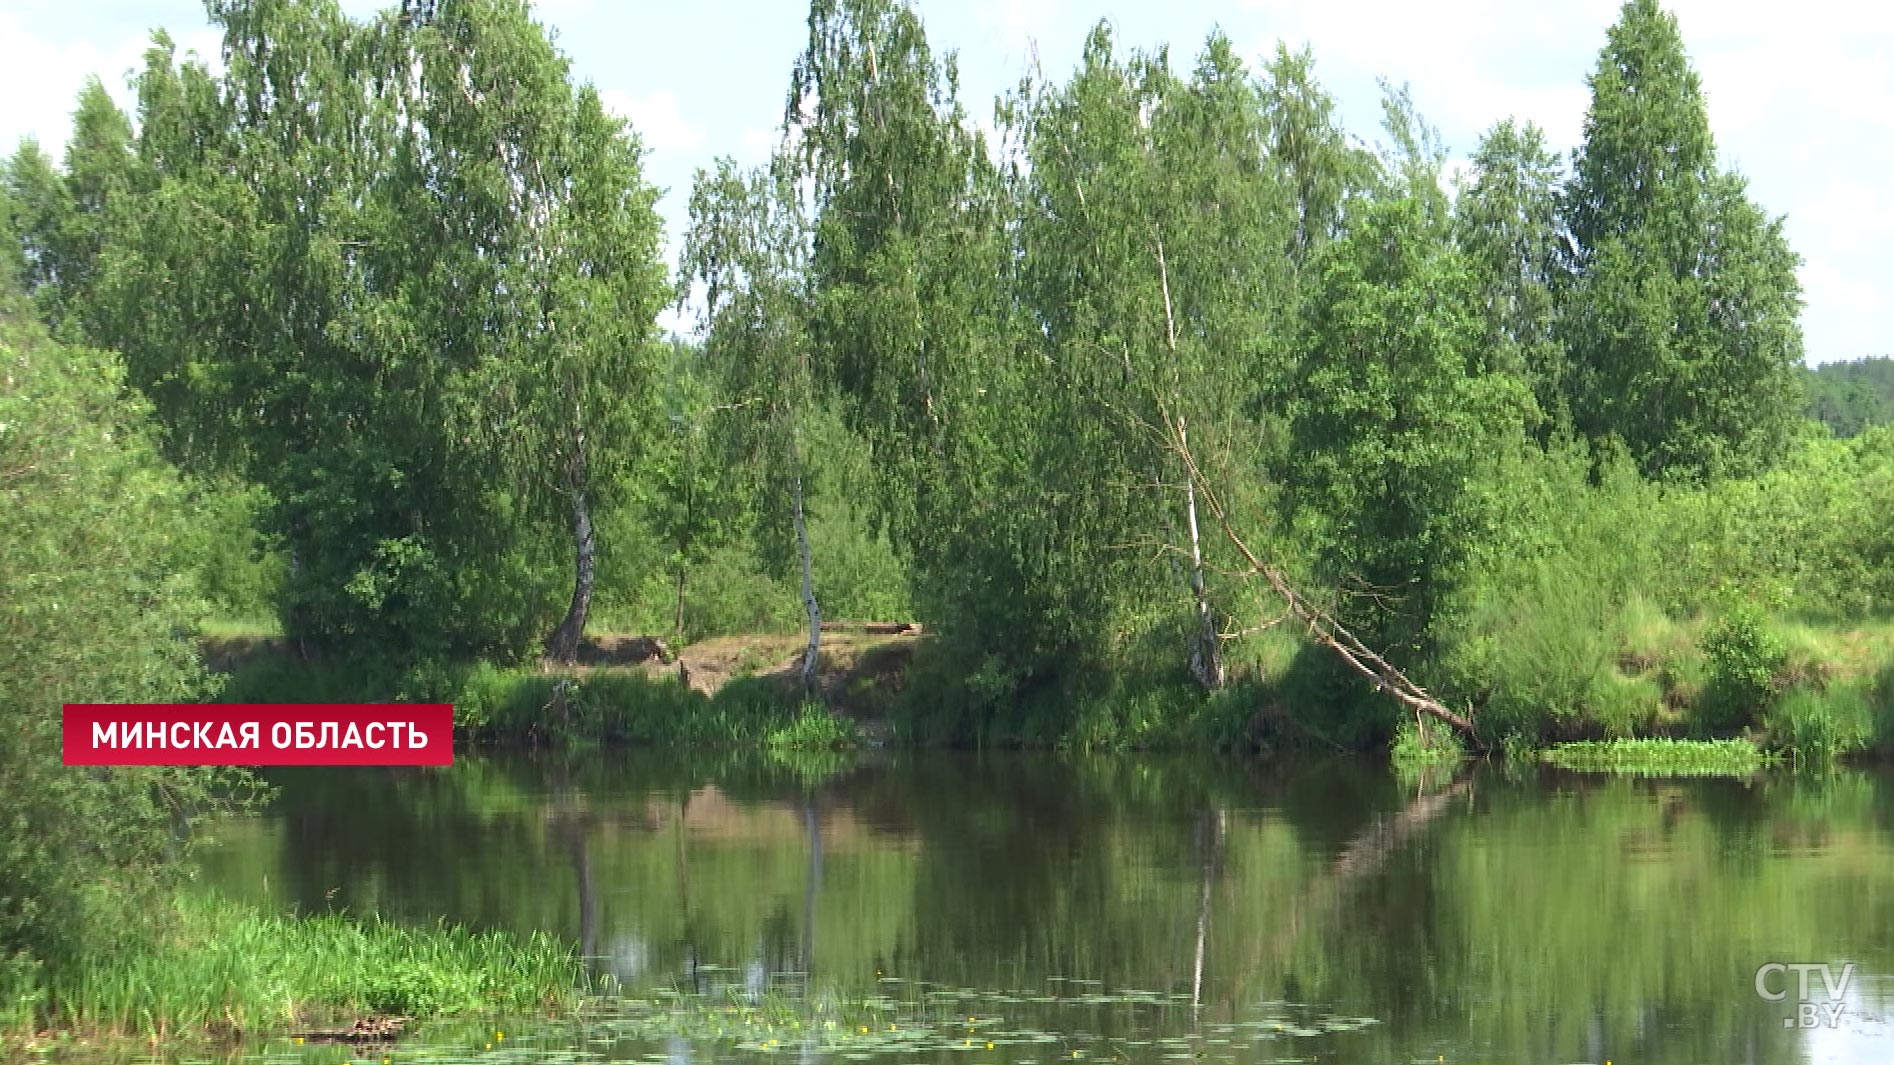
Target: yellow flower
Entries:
(864, 1029)
(299, 1040)
(497, 1036)
(989, 1046)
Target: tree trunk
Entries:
(808, 591)
(1206, 652)
(564, 644)
(677, 624)
(1206, 645)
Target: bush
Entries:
(1743, 657)
(1660, 757)
(1882, 701)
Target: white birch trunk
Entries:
(808, 588)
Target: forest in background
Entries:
(1853, 396)
(356, 341)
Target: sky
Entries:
(1801, 101)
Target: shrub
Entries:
(813, 728)
(1743, 658)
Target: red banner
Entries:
(259, 734)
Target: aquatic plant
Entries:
(1660, 757)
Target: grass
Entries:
(813, 729)
(222, 628)
(227, 971)
(1419, 750)
(1660, 757)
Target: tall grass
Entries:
(228, 970)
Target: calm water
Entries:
(1135, 911)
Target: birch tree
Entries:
(747, 249)
(547, 274)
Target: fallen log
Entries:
(873, 628)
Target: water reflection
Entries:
(1526, 918)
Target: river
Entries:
(1033, 909)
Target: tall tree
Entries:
(902, 271)
(94, 606)
(911, 328)
(1150, 267)
(1681, 318)
(1506, 223)
(404, 274)
(1310, 148)
(748, 250)
(1398, 421)
(547, 276)
(694, 499)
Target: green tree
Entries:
(1398, 423)
(1850, 397)
(94, 607)
(748, 250)
(1681, 317)
(1310, 149)
(1506, 224)
(546, 276)
(695, 499)
(404, 275)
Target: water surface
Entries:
(1145, 911)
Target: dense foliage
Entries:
(95, 606)
(403, 276)
(390, 286)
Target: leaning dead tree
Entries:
(1322, 626)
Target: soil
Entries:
(862, 666)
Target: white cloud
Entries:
(41, 75)
(755, 145)
(657, 119)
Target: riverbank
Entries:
(219, 974)
(1811, 691)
